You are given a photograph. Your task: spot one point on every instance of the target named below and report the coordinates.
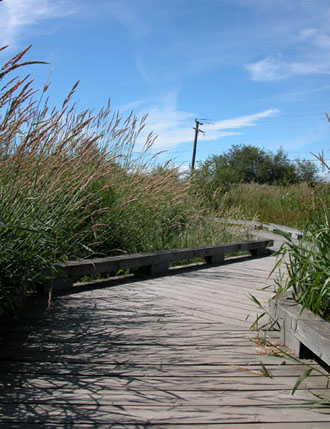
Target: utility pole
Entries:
(197, 130)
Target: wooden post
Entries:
(195, 143)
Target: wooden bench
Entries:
(153, 263)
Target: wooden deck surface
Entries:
(172, 351)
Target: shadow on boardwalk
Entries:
(160, 352)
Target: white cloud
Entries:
(306, 34)
(169, 123)
(274, 68)
(17, 15)
(315, 37)
(173, 126)
(306, 53)
(134, 105)
(244, 121)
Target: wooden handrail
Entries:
(152, 263)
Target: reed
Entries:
(72, 186)
(307, 262)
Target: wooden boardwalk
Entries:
(172, 351)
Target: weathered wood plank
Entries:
(81, 425)
(154, 338)
(162, 414)
(302, 329)
(144, 383)
(142, 370)
(157, 328)
(114, 263)
(204, 358)
(155, 397)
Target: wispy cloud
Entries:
(309, 55)
(274, 68)
(134, 105)
(244, 121)
(17, 15)
(298, 95)
(173, 126)
(293, 38)
(169, 123)
(128, 14)
(314, 36)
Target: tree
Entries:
(250, 164)
(307, 170)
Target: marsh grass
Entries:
(307, 267)
(73, 186)
(304, 275)
(307, 263)
(294, 205)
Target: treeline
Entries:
(262, 185)
(250, 164)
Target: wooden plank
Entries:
(199, 294)
(82, 425)
(161, 414)
(97, 349)
(113, 341)
(140, 370)
(206, 303)
(144, 383)
(133, 336)
(107, 264)
(198, 358)
(301, 327)
(155, 397)
(160, 336)
(99, 265)
(181, 329)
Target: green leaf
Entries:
(254, 299)
(265, 371)
(304, 375)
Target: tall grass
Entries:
(306, 280)
(295, 205)
(308, 269)
(308, 261)
(72, 186)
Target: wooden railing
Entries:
(301, 330)
(153, 263)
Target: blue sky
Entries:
(259, 70)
